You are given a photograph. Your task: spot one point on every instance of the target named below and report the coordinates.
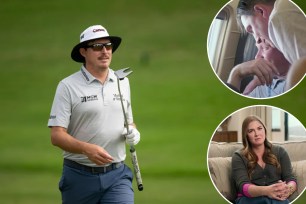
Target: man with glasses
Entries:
(87, 122)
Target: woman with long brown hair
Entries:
(261, 172)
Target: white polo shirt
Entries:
(92, 112)
(287, 29)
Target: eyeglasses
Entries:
(99, 46)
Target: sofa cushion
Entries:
(223, 149)
(296, 150)
(299, 170)
(220, 174)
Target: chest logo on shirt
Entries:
(117, 97)
(89, 98)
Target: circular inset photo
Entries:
(258, 155)
(258, 48)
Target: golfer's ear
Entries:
(82, 51)
(262, 9)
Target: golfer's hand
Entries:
(133, 137)
(97, 154)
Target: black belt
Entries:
(94, 170)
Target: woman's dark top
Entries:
(261, 176)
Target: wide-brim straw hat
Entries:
(92, 33)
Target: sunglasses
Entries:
(99, 46)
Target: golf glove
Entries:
(133, 137)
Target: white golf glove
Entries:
(133, 137)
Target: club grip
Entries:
(136, 168)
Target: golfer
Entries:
(87, 122)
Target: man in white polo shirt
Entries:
(87, 122)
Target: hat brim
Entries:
(76, 55)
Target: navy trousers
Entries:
(259, 200)
(82, 187)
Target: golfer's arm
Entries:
(61, 139)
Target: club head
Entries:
(121, 73)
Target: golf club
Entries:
(121, 74)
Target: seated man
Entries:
(269, 69)
(281, 24)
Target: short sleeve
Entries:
(61, 107)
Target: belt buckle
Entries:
(105, 169)
(93, 171)
(98, 170)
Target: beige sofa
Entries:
(219, 164)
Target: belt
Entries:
(94, 170)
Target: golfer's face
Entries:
(100, 55)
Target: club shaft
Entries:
(132, 148)
(136, 168)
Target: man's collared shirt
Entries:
(264, 91)
(92, 112)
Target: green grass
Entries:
(178, 102)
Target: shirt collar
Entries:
(275, 82)
(111, 75)
(89, 78)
